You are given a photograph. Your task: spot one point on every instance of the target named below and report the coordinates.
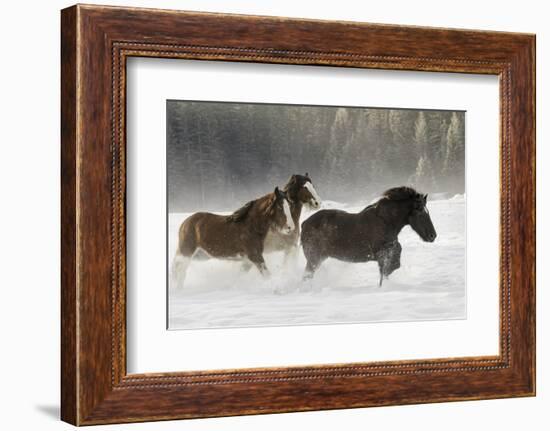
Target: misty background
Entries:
(221, 155)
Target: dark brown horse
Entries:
(239, 236)
(370, 235)
(299, 191)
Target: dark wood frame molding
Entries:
(95, 43)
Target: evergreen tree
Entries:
(454, 165)
(437, 124)
(402, 132)
(423, 176)
(335, 158)
(421, 134)
(220, 155)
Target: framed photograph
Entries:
(365, 159)
(264, 215)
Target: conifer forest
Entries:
(221, 155)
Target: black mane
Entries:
(400, 193)
(241, 213)
(394, 194)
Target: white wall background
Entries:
(29, 215)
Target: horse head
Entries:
(299, 189)
(419, 218)
(279, 211)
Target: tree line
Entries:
(220, 155)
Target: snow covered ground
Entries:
(430, 285)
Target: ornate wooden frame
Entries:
(95, 43)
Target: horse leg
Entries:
(246, 265)
(180, 264)
(384, 269)
(311, 249)
(291, 255)
(186, 249)
(383, 260)
(389, 261)
(258, 261)
(381, 271)
(309, 271)
(312, 265)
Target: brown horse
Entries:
(238, 236)
(370, 235)
(299, 191)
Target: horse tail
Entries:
(187, 235)
(187, 245)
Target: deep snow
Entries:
(430, 285)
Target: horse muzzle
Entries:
(287, 230)
(315, 204)
(430, 237)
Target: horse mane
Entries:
(241, 213)
(290, 183)
(394, 194)
(400, 193)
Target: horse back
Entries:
(212, 233)
(345, 236)
(327, 218)
(325, 226)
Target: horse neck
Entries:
(395, 215)
(296, 210)
(295, 204)
(258, 218)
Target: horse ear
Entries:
(277, 192)
(307, 175)
(425, 198)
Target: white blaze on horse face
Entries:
(315, 202)
(289, 225)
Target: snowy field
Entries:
(430, 285)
